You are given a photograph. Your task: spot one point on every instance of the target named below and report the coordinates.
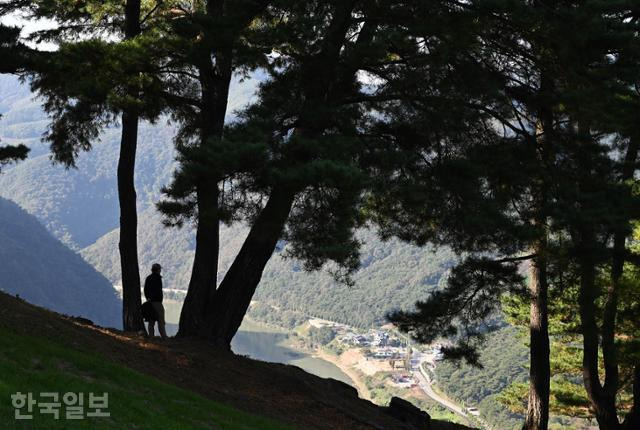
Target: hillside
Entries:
(392, 275)
(80, 207)
(188, 383)
(44, 271)
(503, 358)
(50, 365)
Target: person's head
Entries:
(156, 268)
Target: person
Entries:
(153, 294)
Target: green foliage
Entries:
(335, 348)
(276, 316)
(392, 276)
(471, 295)
(503, 361)
(322, 335)
(12, 53)
(10, 154)
(568, 396)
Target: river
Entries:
(266, 344)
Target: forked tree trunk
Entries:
(128, 246)
(215, 71)
(602, 401)
(234, 295)
(603, 396)
(215, 81)
(228, 304)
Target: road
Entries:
(425, 384)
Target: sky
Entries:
(28, 27)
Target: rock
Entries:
(341, 388)
(409, 414)
(82, 320)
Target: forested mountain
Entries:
(45, 272)
(393, 275)
(79, 207)
(503, 360)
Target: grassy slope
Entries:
(176, 383)
(30, 364)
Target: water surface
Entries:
(266, 344)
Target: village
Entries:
(384, 350)
(404, 365)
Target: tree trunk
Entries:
(215, 81)
(537, 416)
(602, 402)
(602, 396)
(228, 304)
(609, 351)
(128, 246)
(239, 284)
(205, 263)
(632, 420)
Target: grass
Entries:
(136, 401)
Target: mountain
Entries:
(44, 271)
(393, 275)
(80, 207)
(504, 358)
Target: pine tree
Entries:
(216, 43)
(279, 176)
(13, 61)
(558, 184)
(96, 75)
(307, 145)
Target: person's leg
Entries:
(161, 323)
(152, 331)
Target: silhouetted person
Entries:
(153, 293)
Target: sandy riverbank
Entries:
(347, 369)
